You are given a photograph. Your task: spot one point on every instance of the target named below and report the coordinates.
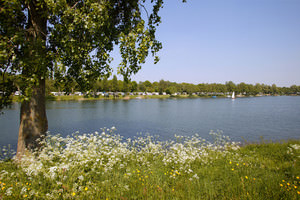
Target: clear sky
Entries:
(214, 41)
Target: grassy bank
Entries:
(104, 166)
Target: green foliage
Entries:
(171, 87)
(71, 41)
(171, 90)
(134, 86)
(115, 85)
(141, 87)
(6, 89)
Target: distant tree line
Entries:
(115, 85)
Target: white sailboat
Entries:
(233, 95)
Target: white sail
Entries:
(233, 95)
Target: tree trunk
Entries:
(33, 120)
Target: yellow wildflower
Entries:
(297, 177)
(246, 177)
(73, 194)
(230, 162)
(298, 192)
(288, 184)
(283, 180)
(281, 185)
(254, 179)
(173, 189)
(232, 169)
(295, 186)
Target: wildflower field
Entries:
(106, 166)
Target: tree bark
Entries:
(33, 119)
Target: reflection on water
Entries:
(271, 117)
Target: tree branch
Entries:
(144, 9)
(75, 4)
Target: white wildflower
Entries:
(59, 183)
(126, 187)
(81, 177)
(23, 190)
(9, 191)
(195, 176)
(295, 146)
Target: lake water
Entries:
(274, 118)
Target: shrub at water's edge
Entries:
(106, 166)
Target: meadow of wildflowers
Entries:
(105, 166)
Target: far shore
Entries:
(129, 97)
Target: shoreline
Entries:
(127, 97)
(130, 97)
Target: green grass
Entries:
(103, 166)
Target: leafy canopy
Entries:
(74, 39)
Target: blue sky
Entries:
(214, 41)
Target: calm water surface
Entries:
(274, 118)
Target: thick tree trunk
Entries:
(33, 120)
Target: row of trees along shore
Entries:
(162, 86)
